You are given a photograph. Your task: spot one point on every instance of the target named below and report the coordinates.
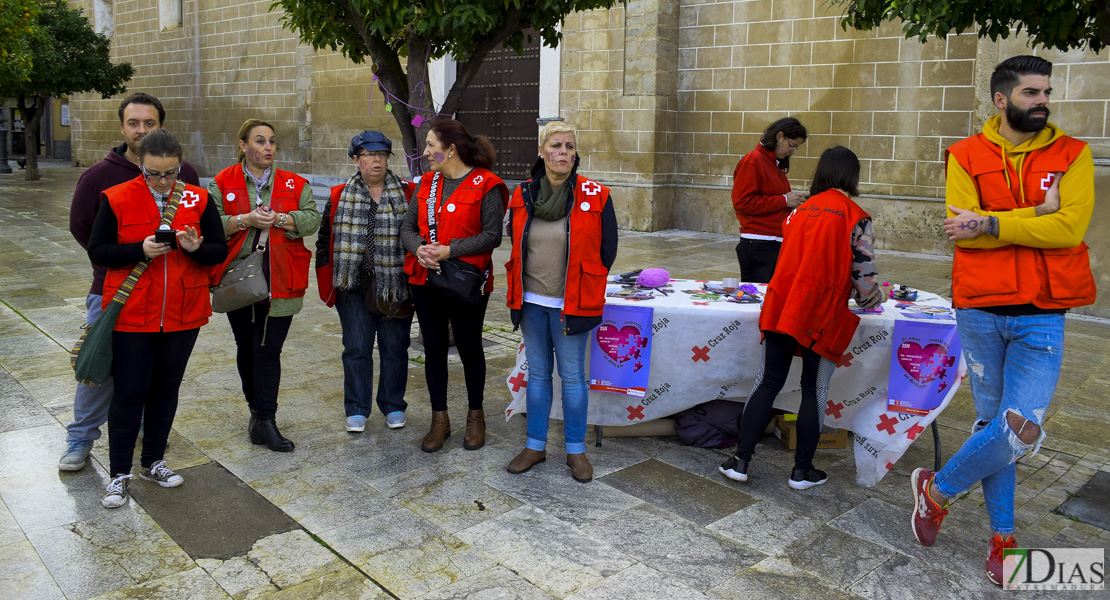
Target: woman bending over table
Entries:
(255, 197)
(827, 257)
(467, 204)
(564, 234)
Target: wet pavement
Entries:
(371, 516)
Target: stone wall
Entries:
(230, 61)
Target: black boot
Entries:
(265, 431)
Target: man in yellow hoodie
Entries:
(1020, 196)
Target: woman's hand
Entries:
(261, 217)
(795, 199)
(429, 255)
(153, 249)
(190, 239)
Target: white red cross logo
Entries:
(478, 179)
(189, 199)
(590, 187)
(289, 183)
(1047, 181)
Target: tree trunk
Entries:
(32, 118)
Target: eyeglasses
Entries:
(155, 176)
(793, 146)
(377, 154)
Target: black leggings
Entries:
(778, 352)
(258, 343)
(433, 311)
(147, 368)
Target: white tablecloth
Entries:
(706, 348)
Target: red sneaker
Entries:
(927, 514)
(994, 560)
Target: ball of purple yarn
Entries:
(653, 278)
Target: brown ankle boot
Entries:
(475, 430)
(440, 430)
(580, 468)
(526, 460)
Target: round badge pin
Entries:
(585, 206)
(450, 208)
(231, 196)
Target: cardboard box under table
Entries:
(787, 431)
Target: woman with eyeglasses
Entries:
(256, 197)
(762, 198)
(159, 322)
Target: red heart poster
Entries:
(923, 365)
(620, 352)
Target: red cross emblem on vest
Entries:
(591, 188)
(478, 179)
(189, 199)
(1047, 181)
(289, 184)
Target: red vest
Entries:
(324, 274)
(457, 217)
(289, 259)
(586, 274)
(1047, 278)
(807, 298)
(172, 294)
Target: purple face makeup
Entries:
(439, 156)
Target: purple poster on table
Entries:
(620, 352)
(923, 365)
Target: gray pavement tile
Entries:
(18, 408)
(767, 527)
(551, 554)
(293, 557)
(9, 529)
(119, 549)
(820, 503)
(23, 574)
(497, 583)
(238, 576)
(405, 553)
(453, 501)
(345, 584)
(772, 579)
(638, 581)
(194, 584)
(907, 577)
(558, 494)
(688, 553)
(689, 496)
(836, 556)
(322, 497)
(32, 342)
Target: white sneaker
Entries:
(356, 423)
(117, 492)
(161, 474)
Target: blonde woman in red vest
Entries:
(255, 196)
(158, 325)
(762, 198)
(467, 207)
(827, 257)
(564, 234)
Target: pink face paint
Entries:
(439, 156)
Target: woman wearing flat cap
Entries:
(360, 270)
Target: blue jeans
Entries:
(91, 402)
(360, 326)
(542, 329)
(1013, 364)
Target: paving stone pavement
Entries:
(377, 518)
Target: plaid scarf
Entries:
(354, 218)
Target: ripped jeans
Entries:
(1013, 364)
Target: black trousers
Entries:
(258, 343)
(778, 352)
(757, 259)
(434, 312)
(147, 368)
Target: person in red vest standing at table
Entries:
(253, 196)
(762, 198)
(1020, 196)
(463, 202)
(827, 258)
(564, 233)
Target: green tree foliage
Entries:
(67, 57)
(1059, 24)
(18, 26)
(387, 31)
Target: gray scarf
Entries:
(352, 220)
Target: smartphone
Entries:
(166, 236)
